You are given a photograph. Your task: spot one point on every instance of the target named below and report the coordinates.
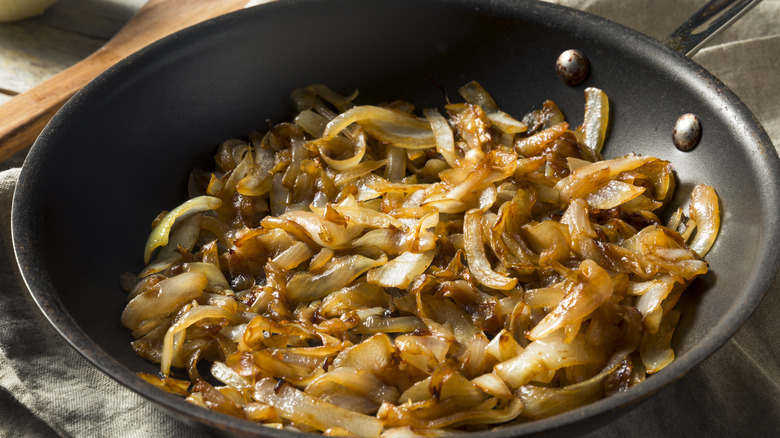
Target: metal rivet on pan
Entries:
(687, 131)
(572, 67)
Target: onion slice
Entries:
(159, 235)
(303, 408)
(476, 95)
(445, 143)
(172, 343)
(307, 286)
(577, 303)
(476, 257)
(594, 125)
(705, 211)
(400, 271)
(163, 298)
(388, 125)
(550, 353)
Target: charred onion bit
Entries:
(367, 271)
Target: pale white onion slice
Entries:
(705, 211)
(503, 346)
(368, 217)
(159, 235)
(475, 254)
(550, 353)
(400, 271)
(307, 286)
(596, 119)
(491, 384)
(303, 408)
(613, 194)
(418, 392)
(541, 402)
(216, 281)
(311, 122)
(381, 324)
(14, 10)
(652, 294)
(388, 125)
(544, 296)
(423, 352)
(229, 376)
(164, 298)
(172, 342)
(341, 102)
(576, 217)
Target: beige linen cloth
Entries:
(47, 389)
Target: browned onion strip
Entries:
(594, 125)
(613, 194)
(172, 342)
(306, 286)
(388, 125)
(475, 254)
(400, 271)
(346, 163)
(530, 146)
(475, 94)
(541, 402)
(185, 234)
(305, 409)
(577, 303)
(656, 348)
(550, 353)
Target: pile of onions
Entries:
(367, 271)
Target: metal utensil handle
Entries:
(706, 23)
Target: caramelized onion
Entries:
(388, 125)
(303, 408)
(364, 271)
(705, 212)
(159, 235)
(594, 125)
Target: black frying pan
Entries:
(120, 151)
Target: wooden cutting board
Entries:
(23, 116)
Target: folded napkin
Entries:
(47, 389)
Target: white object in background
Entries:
(13, 10)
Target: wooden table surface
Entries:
(35, 49)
